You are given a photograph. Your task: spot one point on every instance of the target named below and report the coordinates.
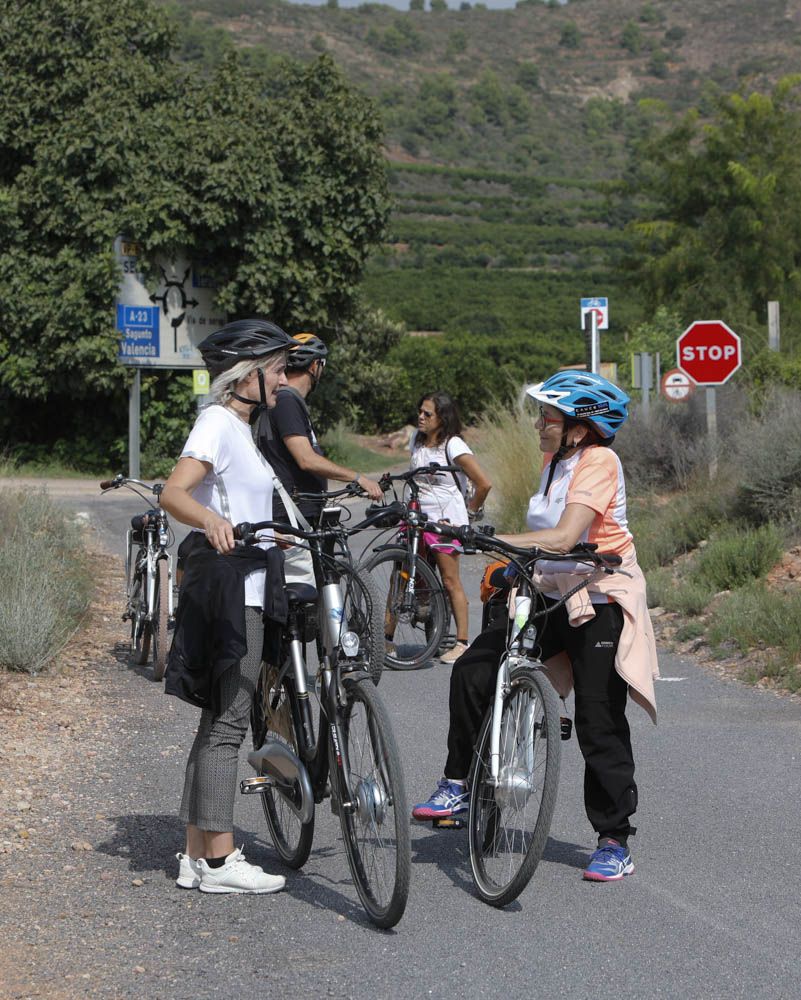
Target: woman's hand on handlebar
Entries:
(219, 533)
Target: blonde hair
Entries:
(221, 390)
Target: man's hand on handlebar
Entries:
(370, 487)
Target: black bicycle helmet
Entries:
(242, 340)
(305, 350)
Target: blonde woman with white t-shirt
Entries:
(221, 480)
(438, 439)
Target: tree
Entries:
(276, 178)
(631, 38)
(416, 4)
(437, 6)
(724, 234)
(570, 37)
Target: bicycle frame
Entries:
(152, 549)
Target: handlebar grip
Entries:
(611, 558)
(242, 530)
(106, 484)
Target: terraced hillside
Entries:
(508, 133)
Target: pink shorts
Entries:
(451, 548)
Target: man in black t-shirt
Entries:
(294, 452)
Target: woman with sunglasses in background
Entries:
(446, 496)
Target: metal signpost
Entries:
(161, 324)
(710, 353)
(594, 317)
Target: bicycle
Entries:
(148, 576)
(417, 607)
(331, 556)
(353, 747)
(515, 769)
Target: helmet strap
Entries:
(261, 401)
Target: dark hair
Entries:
(448, 413)
(592, 436)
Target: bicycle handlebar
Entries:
(407, 477)
(484, 540)
(120, 480)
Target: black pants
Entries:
(610, 794)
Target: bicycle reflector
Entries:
(350, 644)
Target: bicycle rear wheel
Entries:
(413, 623)
(275, 715)
(161, 614)
(376, 827)
(508, 822)
(364, 612)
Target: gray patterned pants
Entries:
(210, 782)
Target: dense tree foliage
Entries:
(276, 178)
(722, 235)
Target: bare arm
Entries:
(477, 477)
(575, 520)
(307, 459)
(177, 500)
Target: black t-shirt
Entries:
(290, 418)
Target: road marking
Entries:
(671, 678)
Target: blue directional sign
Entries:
(139, 326)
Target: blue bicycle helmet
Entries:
(585, 396)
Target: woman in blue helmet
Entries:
(604, 644)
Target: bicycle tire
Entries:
(140, 627)
(415, 632)
(365, 616)
(161, 615)
(291, 838)
(503, 853)
(376, 831)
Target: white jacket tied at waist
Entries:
(636, 660)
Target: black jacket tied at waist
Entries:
(210, 635)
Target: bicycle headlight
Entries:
(350, 644)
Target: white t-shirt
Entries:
(440, 497)
(239, 486)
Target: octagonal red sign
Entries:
(709, 352)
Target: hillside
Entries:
(508, 133)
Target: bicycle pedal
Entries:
(566, 727)
(255, 785)
(449, 823)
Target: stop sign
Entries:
(709, 352)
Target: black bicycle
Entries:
(148, 575)
(350, 753)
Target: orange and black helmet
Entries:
(306, 349)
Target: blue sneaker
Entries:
(609, 863)
(450, 799)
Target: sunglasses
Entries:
(426, 413)
(546, 420)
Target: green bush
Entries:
(734, 557)
(755, 617)
(664, 530)
(46, 580)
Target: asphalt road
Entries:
(713, 909)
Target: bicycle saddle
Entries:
(301, 593)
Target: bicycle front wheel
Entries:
(509, 819)
(364, 613)
(375, 827)
(414, 622)
(161, 614)
(140, 626)
(275, 716)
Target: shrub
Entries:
(510, 454)
(663, 530)
(688, 597)
(46, 580)
(570, 38)
(734, 557)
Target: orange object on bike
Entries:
(487, 590)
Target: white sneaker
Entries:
(236, 875)
(188, 872)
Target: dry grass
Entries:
(511, 456)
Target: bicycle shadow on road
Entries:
(121, 654)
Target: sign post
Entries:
(594, 317)
(160, 323)
(710, 353)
